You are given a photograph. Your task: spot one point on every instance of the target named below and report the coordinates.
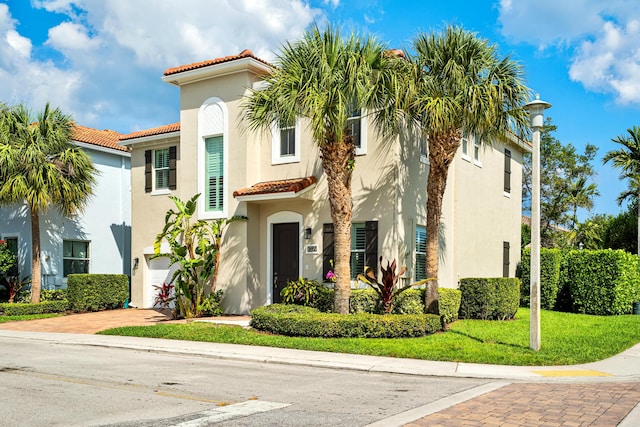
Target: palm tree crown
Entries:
(40, 167)
(627, 158)
(324, 78)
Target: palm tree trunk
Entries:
(336, 161)
(442, 150)
(35, 256)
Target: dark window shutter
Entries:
(507, 171)
(371, 245)
(173, 154)
(327, 248)
(505, 259)
(148, 183)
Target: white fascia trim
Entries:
(102, 149)
(275, 196)
(152, 138)
(518, 142)
(217, 70)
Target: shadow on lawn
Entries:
(484, 341)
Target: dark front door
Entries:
(286, 255)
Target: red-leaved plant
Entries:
(164, 296)
(386, 287)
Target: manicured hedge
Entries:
(93, 292)
(293, 320)
(603, 282)
(550, 262)
(408, 302)
(492, 299)
(21, 309)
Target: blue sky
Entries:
(102, 60)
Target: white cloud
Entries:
(610, 63)
(602, 39)
(107, 57)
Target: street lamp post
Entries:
(536, 115)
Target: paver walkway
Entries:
(90, 323)
(570, 405)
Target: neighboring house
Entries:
(98, 240)
(276, 180)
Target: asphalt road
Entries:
(49, 384)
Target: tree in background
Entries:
(326, 78)
(627, 159)
(459, 86)
(39, 166)
(565, 177)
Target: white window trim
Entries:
(279, 218)
(465, 156)
(155, 190)
(477, 145)
(424, 157)
(87, 258)
(204, 133)
(363, 134)
(276, 158)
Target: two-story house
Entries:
(97, 240)
(275, 179)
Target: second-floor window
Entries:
(507, 171)
(476, 152)
(160, 169)
(214, 173)
(356, 127)
(286, 143)
(465, 148)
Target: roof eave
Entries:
(217, 70)
(150, 138)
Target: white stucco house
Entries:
(96, 241)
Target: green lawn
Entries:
(4, 319)
(566, 339)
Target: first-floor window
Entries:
(364, 248)
(12, 245)
(75, 257)
(214, 169)
(421, 253)
(358, 246)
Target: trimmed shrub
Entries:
(410, 301)
(93, 292)
(364, 301)
(448, 303)
(550, 262)
(309, 322)
(603, 282)
(491, 298)
(21, 309)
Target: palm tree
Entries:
(627, 158)
(459, 87)
(41, 168)
(324, 77)
(581, 195)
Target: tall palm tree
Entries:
(581, 195)
(39, 166)
(627, 158)
(324, 77)
(460, 87)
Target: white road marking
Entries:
(229, 412)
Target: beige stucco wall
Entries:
(388, 185)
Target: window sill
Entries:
(507, 195)
(466, 158)
(424, 159)
(285, 160)
(477, 163)
(162, 192)
(361, 151)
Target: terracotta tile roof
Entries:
(173, 127)
(193, 66)
(104, 138)
(294, 185)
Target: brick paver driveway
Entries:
(570, 405)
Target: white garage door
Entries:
(158, 273)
